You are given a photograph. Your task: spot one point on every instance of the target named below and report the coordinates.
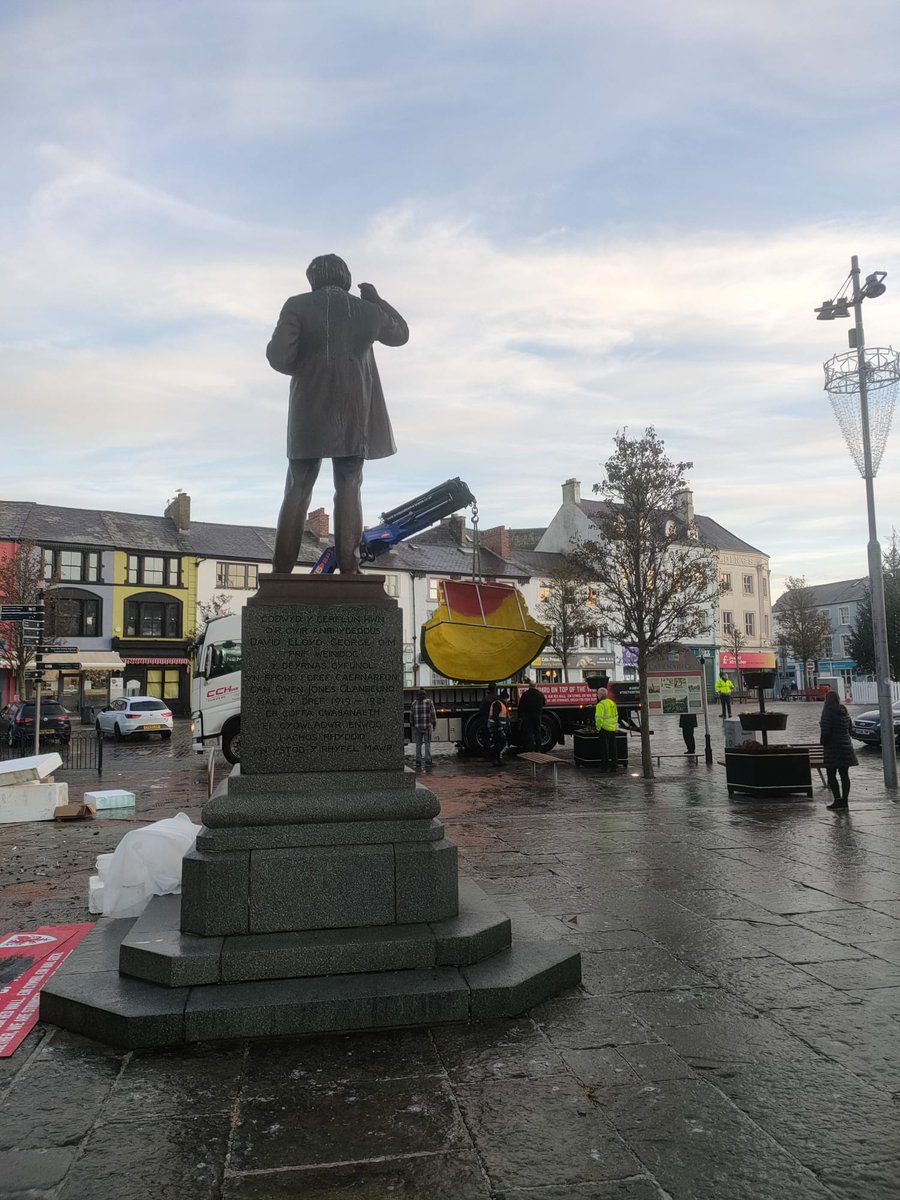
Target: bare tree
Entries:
(22, 581)
(570, 609)
(801, 627)
(659, 582)
(733, 641)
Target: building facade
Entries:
(840, 603)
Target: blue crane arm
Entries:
(403, 521)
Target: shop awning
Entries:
(88, 660)
(173, 661)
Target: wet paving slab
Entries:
(736, 1034)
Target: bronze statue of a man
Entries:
(324, 340)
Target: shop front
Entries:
(88, 687)
(165, 675)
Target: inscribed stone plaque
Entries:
(322, 688)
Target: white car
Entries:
(136, 714)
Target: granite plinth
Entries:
(335, 833)
(302, 887)
(92, 1000)
(316, 798)
(156, 950)
(326, 655)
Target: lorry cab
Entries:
(216, 687)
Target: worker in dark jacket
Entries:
(323, 340)
(838, 753)
(529, 709)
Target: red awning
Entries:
(157, 662)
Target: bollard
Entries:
(100, 753)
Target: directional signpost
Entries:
(31, 617)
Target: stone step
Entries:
(157, 951)
(92, 1000)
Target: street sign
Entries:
(57, 649)
(21, 612)
(57, 666)
(34, 675)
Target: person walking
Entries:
(724, 688)
(422, 721)
(606, 719)
(530, 707)
(838, 753)
(484, 714)
(498, 725)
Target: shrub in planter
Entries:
(763, 720)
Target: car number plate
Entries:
(48, 729)
(153, 726)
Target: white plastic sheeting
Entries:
(147, 862)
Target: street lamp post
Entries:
(845, 376)
(701, 655)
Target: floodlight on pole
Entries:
(862, 385)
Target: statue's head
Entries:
(328, 271)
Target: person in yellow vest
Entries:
(606, 719)
(724, 688)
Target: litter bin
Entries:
(735, 734)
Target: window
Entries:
(78, 566)
(433, 590)
(76, 617)
(727, 622)
(845, 645)
(590, 641)
(750, 624)
(543, 593)
(844, 614)
(156, 618)
(765, 586)
(239, 577)
(392, 585)
(827, 648)
(223, 658)
(748, 585)
(153, 570)
(766, 625)
(725, 581)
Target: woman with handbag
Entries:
(839, 755)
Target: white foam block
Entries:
(31, 801)
(95, 894)
(113, 798)
(28, 770)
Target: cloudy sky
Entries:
(593, 215)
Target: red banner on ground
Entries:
(27, 960)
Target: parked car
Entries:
(17, 723)
(867, 726)
(136, 714)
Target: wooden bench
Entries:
(695, 757)
(536, 759)
(816, 759)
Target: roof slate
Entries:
(711, 532)
(844, 591)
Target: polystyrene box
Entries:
(116, 798)
(95, 894)
(102, 865)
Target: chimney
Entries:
(684, 507)
(571, 491)
(317, 521)
(179, 511)
(457, 526)
(496, 540)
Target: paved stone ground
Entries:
(737, 1033)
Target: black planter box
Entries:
(586, 748)
(761, 774)
(763, 720)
